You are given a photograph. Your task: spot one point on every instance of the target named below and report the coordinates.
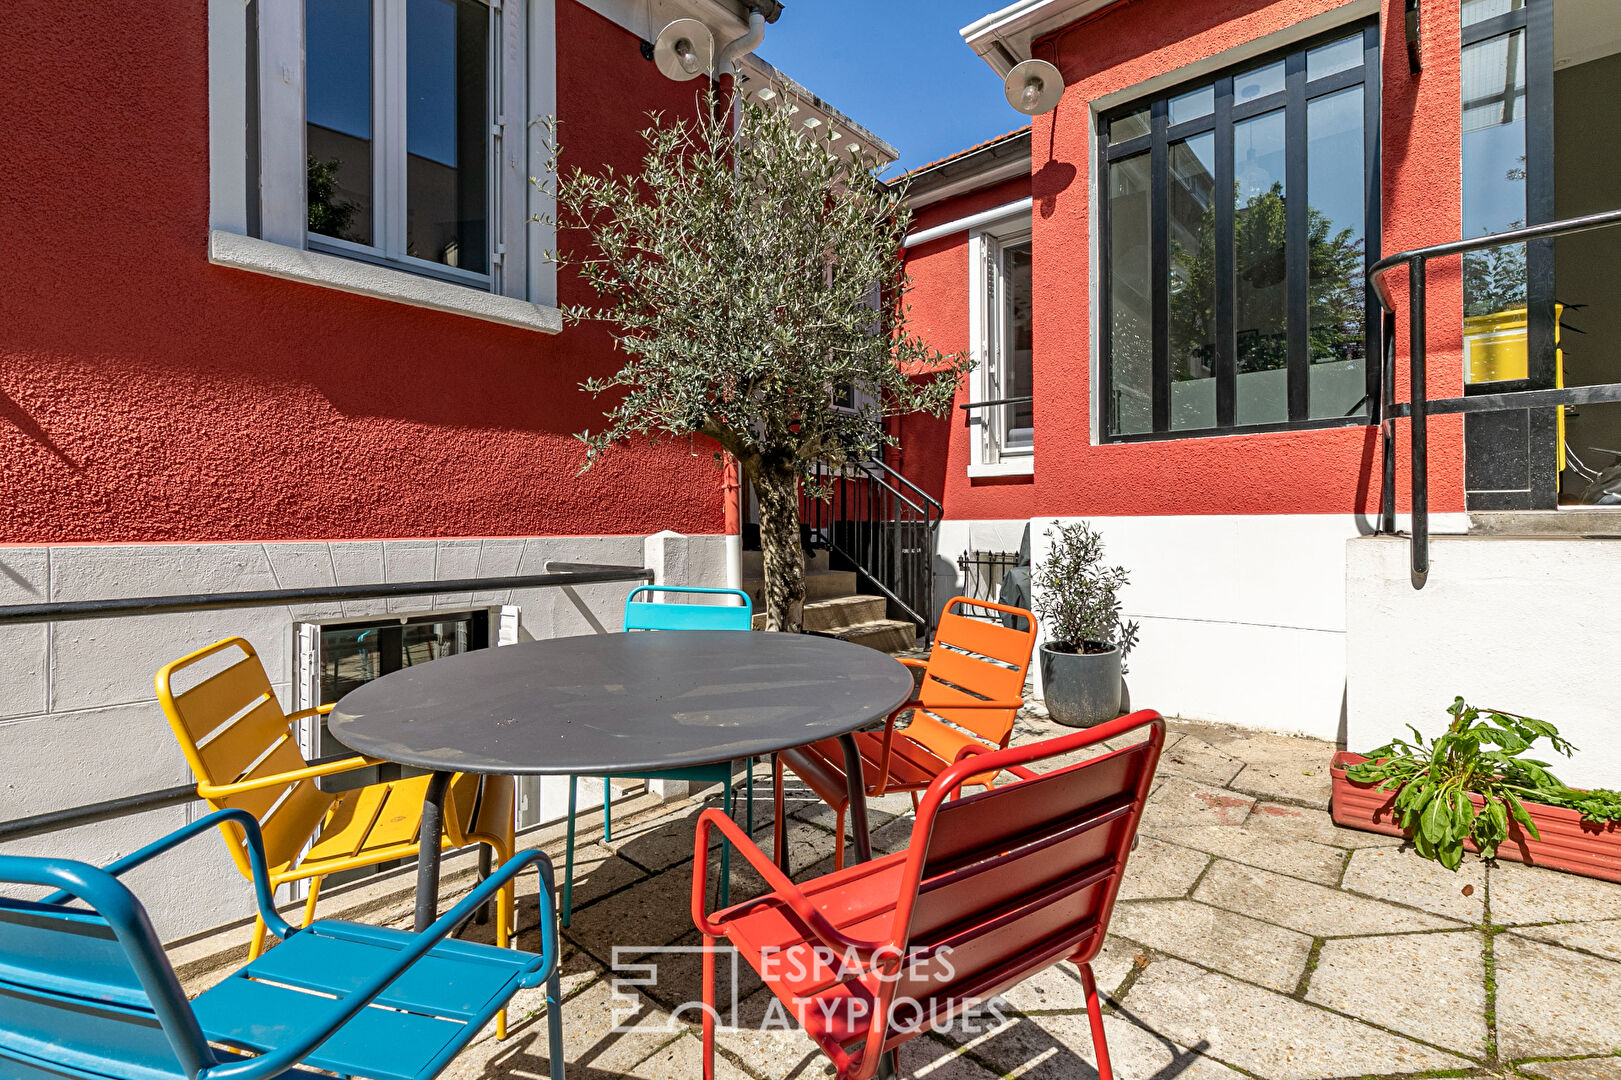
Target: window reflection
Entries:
(1494, 281)
(1260, 242)
(338, 114)
(447, 132)
(1193, 283)
(1131, 325)
(1336, 313)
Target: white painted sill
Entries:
(1024, 465)
(352, 276)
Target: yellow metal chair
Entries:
(244, 753)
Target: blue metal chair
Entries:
(86, 990)
(651, 615)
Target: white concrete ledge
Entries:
(1022, 465)
(352, 276)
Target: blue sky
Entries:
(899, 69)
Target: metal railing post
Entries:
(1418, 331)
(1387, 424)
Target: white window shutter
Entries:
(510, 624)
(307, 683)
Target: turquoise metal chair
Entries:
(651, 615)
(86, 990)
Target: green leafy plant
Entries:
(1078, 598)
(1481, 753)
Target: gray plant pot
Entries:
(1082, 689)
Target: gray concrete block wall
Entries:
(79, 722)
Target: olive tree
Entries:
(749, 276)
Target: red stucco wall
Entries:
(146, 395)
(1325, 471)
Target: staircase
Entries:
(833, 607)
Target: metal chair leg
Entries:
(726, 854)
(709, 1009)
(309, 901)
(748, 793)
(779, 848)
(607, 810)
(484, 853)
(1094, 1014)
(568, 855)
(554, 1022)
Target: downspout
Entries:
(731, 483)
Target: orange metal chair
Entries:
(244, 754)
(971, 692)
(992, 889)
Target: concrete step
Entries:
(819, 585)
(754, 563)
(837, 613)
(886, 635)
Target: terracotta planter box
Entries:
(1589, 848)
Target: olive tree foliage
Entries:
(748, 280)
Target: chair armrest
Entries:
(309, 772)
(1017, 770)
(912, 662)
(345, 1009)
(774, 877)
(256, 858)
(304, 714)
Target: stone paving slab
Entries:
(1195, 759)
(1268, 1034)
(1178, 803)
(1060, 1048)
(1553, 1002)
(1157, 870)
(1284, 855)
(1600, 938)
(1059, 988)
(1429, 986)
(1317, 826)
(1528, 894)
(1398, 875)
(1602, 1068)
(1306, 907)
(1241, 946)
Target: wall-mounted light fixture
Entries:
(685, 49)
(1034, 87)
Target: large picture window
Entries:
(1239, 219)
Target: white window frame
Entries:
(993, 451)
(521, 288)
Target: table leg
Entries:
(856, 787)
(430, 837)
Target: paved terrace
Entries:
(1253, 937)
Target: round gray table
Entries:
(611, 704)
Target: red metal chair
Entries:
(992, 889)
(970, 694)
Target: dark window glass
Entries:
(338, 114)
(1494, 280)
(1335, 57)
(1478, 11)
(1193, 104)
(1018, 420)
(1258, 83)
(355, 654)
(1130, 126)
(1261, 269)
(447, 132)
(1337, 308)
(1193, 283)
(1235, 258)
(1131, 321)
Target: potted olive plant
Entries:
(1077, 599)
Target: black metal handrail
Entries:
(1419, 405)
(886, 533)
(566, 574)
(1021, 400)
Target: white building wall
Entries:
(1524, 625)
(79, 722)
(1243, 616)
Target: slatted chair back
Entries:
(972, 660)
(650, 615)
(232, 729)
(1008, 881)
(88, 991)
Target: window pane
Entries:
(1131, 322)
(1476, 11)
(1192, 207)
(1131, 126)
(338, 115)
(1493, 201)
(1334, 57)
(447, 64)
(1336, 313)
(1194, 104)
(1258, 83)
(1018, 421)
(1259, 235)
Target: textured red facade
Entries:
(1333, 471)
(146, 395)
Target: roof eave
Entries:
(1003, 37)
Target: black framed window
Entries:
(1239, 218)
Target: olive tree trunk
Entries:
(777, 493)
